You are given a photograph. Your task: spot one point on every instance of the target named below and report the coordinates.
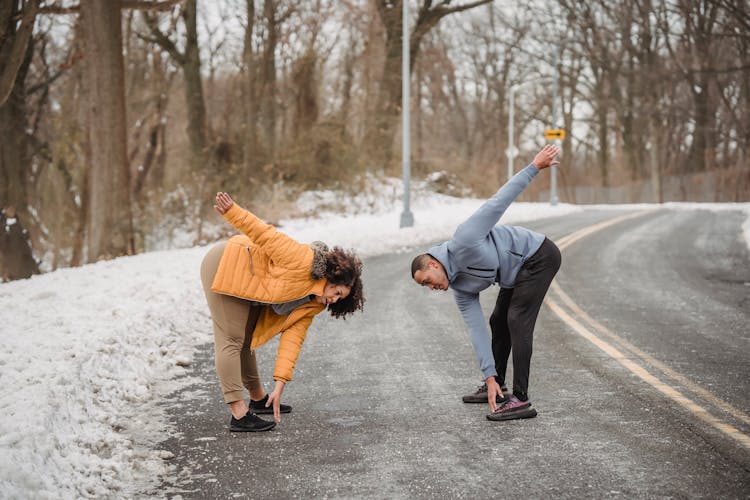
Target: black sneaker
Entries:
(250, 423)
(259, 407)
(513, 409)
(480, 395)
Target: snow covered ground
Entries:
(87, 354)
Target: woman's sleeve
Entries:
(290, 345)
(281, 248)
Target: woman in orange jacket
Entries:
(260, 284)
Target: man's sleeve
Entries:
(471, 310)
(484, 219)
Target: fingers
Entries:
(223, 202)
(491, 398)
(274, 400)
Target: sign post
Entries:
(407, 218)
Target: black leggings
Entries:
(512, 322)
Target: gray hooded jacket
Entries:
(480, 254)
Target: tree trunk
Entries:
(16, 258)
(268, 76)
(110, 222)
(602, 134)
(383, 125)
(14, 41)
(196, 107)
(250, 97)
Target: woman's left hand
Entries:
(223, 203)
(275, 399)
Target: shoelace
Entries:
(509, 404)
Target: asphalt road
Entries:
(377, 409)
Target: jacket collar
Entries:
(442, 255)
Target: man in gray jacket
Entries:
(523, 263)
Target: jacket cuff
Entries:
(489, 372)
(232, 213)
(532, 169)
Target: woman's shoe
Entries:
(250, 423)
(259, 407)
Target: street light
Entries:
(553, 199)
(407, 218)
(511, 151)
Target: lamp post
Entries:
(553, 199)
(511, 151)
(407, 218)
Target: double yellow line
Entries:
(626, 353)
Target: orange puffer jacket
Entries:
(265, 265)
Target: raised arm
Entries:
(279, 246)
(484, 219)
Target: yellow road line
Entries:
(676, 377)
(631, 365)
(568, 240)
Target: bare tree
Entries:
(385, 119)
(189, 61)
(110, 228)
(16, 259)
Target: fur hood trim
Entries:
(320, 250)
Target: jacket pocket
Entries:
(484, 269)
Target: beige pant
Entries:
(234, 321)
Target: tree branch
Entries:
(444, 10)
(163, 41)
(159, 6)
(59, 9)
(162, 6)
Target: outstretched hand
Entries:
(274, 399)
(545, 157)
(223, 203)
(493, 391)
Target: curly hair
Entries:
(345, 268)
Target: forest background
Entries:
(119, 119)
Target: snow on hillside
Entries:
(87, 354)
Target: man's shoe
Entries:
(480, 395)
(512, 409)
(259, 407)
(250, 423)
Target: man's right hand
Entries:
(545, 157)
(493, 390)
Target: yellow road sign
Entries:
(554, 133)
